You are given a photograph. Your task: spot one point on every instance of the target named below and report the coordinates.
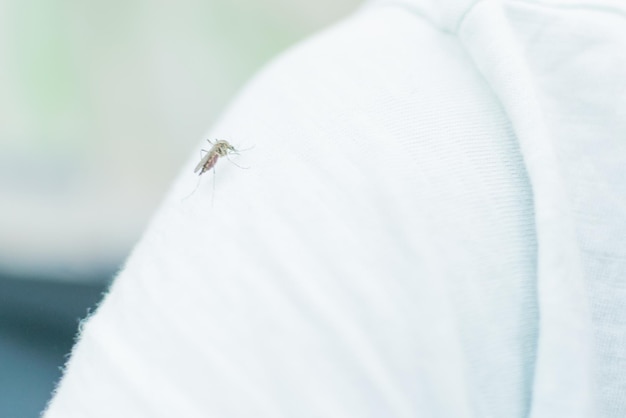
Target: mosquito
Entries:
(219, 148)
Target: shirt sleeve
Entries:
(370, 251)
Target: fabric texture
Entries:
(432, 225)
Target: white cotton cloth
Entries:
(432, 225)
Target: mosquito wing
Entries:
(202, 162)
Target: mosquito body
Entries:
(219, 149)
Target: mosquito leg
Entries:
(213, 194)
(245, 168)
(245, 149)
(194, 190)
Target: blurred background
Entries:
(100, 103)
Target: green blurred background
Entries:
(100, 103)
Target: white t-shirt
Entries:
(432, 224)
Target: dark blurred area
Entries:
(38, 323)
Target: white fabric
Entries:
(432, 225)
